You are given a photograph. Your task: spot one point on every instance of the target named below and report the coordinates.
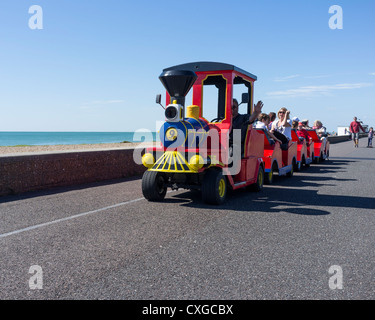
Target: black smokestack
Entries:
(178, 83)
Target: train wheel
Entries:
(214, 187)
(269, 177)
(297, 166)
(306, 165)
(153, 186)
(321, 159)
(258, 186)
(291, 172)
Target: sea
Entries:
(12, 138)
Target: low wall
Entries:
(24, 173)
(337, 139)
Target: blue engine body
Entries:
(189, 133)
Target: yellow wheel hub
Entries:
(222, 187)
(261, 178)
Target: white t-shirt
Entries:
(260, 125)
(286, 131)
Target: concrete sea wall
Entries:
(25, 173)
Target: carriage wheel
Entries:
(291, 172)
(268, 177)
(321, 159)
(297, 166)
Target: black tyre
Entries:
(258, 186)
(153, 186)
(297, 166)
(214, 187)
(291, 172)
(269, 177)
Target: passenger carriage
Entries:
(277, 158)
(321, 152)
(305, 151)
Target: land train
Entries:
(198, 146)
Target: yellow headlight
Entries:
(148, 160)
(196, 162)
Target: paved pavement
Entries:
(290, 241)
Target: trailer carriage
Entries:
(305, 151)
(278, 158)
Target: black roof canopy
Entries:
(209, 66)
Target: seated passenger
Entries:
(302, 133)
(272, 116)
(295, 121)
(262, 123)
(282, 127)
(321, 131)
(305, 124)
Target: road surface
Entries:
(306, 237)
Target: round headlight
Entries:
(171, 113)
(196, 162)
(148, 160)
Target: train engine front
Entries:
(178, 162)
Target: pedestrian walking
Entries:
(354, 128)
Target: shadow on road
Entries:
(293, 195)
(58, 190)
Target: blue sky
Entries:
(95, 64)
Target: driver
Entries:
(241, 121)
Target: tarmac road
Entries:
(104, 241)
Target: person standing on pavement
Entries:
(354, 128)
(370, 136)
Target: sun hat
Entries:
(295, 119)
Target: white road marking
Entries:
(4, 235)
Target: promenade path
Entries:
(105, 241)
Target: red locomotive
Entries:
(199, 148)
